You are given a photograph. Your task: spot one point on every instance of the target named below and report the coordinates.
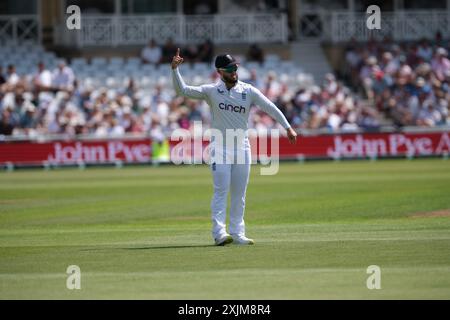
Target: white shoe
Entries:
(223, 240)
(243, 240)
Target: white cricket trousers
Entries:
(229, 176)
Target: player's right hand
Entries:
(177, 60)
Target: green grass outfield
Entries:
(144, 233)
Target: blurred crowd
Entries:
(192, 53)
(53, 102)
(407, 82)
(331, 106)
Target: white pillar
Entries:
(294, 17)
(448, 16)
(351, 5)
(220, 5)
(130, 6)
(399, 5)
(117, 7)
(180, 6)
(39, 20)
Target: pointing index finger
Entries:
(178, 52)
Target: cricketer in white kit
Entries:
(230, 101)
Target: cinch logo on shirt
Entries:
(232, 108)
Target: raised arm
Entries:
(180, 87)
(269, 107)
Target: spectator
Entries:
(28, 119)
(190, 53)
(388, 65)
(12, 79)
(194, 112)
(152, 53)
(114, 129)
(131, 88)
(205, 52)
(438, 39)
(2, 78)
(425, 51)
(168, 51)
(440, 64)
(6, 123)
(63, 77)
(254, 80)
(367, 75)
(126, 118)
(405, 84)
(353, 57)
(272, 87)
(405, 72)
(368, 119)
(428, 116)
(42, 79)
(255, 53)
(412, 57)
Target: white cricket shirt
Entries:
(229, 108)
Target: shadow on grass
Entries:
(152, 248)
(171, 247)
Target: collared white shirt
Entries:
(12, 79)
(44, 78)
(152, 55)
(229, 108)
(63, 78)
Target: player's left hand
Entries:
(292, 136)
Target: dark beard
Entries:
(231, 80)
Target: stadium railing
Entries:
(15, 29)
(114, 30)
(401, 25)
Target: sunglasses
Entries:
(230, 69)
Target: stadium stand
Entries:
(85, 83)
(407, 81)
(110, 97)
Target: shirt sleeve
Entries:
(188, 91)
(269, 107)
